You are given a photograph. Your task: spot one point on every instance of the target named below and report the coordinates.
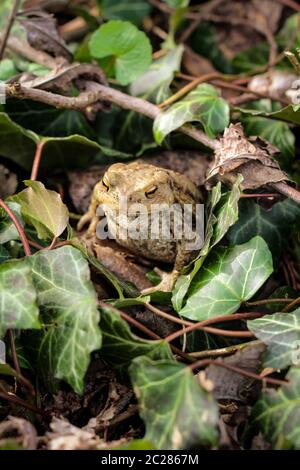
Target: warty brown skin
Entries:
(145, 184)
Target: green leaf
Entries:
(43, 209)
(68, 304)
(276, 132)
(290, 113)
(4, 254)
(134, 11)
(19, 145)
(128, 49)
(252, 58)
(281, 333)
(8, 231)
(136, 444)
(120, 345)
(222, 214)
(204, 105)
(273, 225)
(277, 413)
(18, 308)
(177, 411)
(229, 277)
(154, 84)
(7, 69)
(177, 3)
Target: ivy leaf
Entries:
(68, 304)
(18, 307)
(290, 113)
(19, 145)
(273, 225)
(229, 277)
(8, 231)
(4, 254)
(134, 11)
(222, 214)
(281, 333)
(177, 411)
(43, 209)
(154, 84)
(276, 132)
(204, 105)
(121, 346)
(277, 413)
(128, 49)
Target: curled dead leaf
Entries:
(252, 157)
(42, 33)
(275, 83)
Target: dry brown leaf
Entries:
(65, 436)
(20, 430)
(251, 157)
(42, 34)
(275, 83)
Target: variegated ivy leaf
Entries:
(18, 307)
(8, 230)
(277, 413)
(68, 304)
(281, 333)
(121, 346)
(204, 105)
(229, 277)
(43, 209)
(154, 84)
(222, 214)
(177, 411)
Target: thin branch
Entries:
(101, 92)
(227, 351)
(290, 3)
(142, 328)
(238, 370)
(18, 401)
(37, 159)
(18, 227)
(14, 352)
(267, 301)
(291, 305)
(203, 325)
(9, 26)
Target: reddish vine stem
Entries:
(37, 160)
(18, 226)
(14, 352)
(238, 370)
(143, 328)
(203, 326)
(18, 401)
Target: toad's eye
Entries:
(105, 184)
(151, 191)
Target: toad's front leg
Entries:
(168, 280)
(90, 217)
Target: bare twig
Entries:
(227, 351)
(18, 401)
(101, 92)
(37, 160)
(238, 370)
(290, 3)
(9, 25)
